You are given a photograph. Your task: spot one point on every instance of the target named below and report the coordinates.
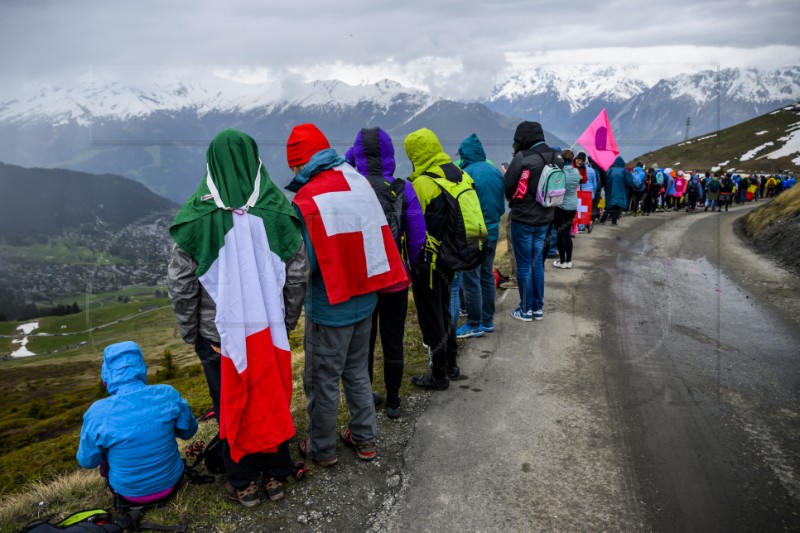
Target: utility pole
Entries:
(688, 123)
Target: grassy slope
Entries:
(46, 397)
(730, 144)
(784, 207)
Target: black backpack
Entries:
(98, 521)
(393, 201)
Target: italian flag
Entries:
(241, 256)
(246, 280)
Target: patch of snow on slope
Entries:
(749, 155)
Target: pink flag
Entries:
(598, 141)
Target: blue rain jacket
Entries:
(134, 429)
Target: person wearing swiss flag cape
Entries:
(352, 254)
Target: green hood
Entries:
(425, 152)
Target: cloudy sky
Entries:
(453, 48)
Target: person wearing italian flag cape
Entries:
(236, 278)
(352, 254)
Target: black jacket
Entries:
(528, 157)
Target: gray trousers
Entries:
(333, 354)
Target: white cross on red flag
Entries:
(584, 213)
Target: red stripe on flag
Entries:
(254, 405)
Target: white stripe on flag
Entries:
(246, 283)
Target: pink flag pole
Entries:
(598, 141)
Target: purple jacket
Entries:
(373, 153)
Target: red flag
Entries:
(599, 142)
(351, 238)
(584, 213)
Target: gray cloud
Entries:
(56, 39)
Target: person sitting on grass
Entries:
(131, 434)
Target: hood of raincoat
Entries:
(373, 153)
(425, 152)
(528, 134)
(471, 151)
(123, 367)
(619, 162)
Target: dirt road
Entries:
(659, 393)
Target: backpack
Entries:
(727, 185)
(393, 201)
(659, 177)
(552, 185)
(713, 186)
(98, 521)
(638, 179)
(465, 238)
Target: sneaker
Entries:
(558, 264)
(462, 313)
(537, 315)
(393, 412)
(465, 332)
(365, 450)
(569, 264)
(488, 328)
(247, 496)
(429, 382)
(302, 447)
(519, 314)
(274, 489)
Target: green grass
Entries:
(784, 206)
(46, 396)
(730, 145)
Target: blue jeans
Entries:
(455, 299)
(528, 243)
(479, 290)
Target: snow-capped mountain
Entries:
(645, 114)
(157, 133)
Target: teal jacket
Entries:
(488, 183)
(619, 181)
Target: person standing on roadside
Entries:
(529, 219)
(430, 277)
(373, 157)
(564, 213)
(479, 284)
(352, 255)
(218, 279)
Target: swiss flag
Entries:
(584, 213)
(348, 230)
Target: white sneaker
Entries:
(559, 264)
(569, 264)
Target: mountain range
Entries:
(157, 132)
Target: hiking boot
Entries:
(454, 374)
(538, 315)
(376, 397)
(247, 496)
(488, 328)
(431, 383)
(274, 489)
(465, 331)
(302, 447)
(519, 314)
(364, 449)
(393, 412)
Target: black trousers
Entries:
(562, 220)
(276, 465)
(614, 211)
(432, 299)
(389, 319)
